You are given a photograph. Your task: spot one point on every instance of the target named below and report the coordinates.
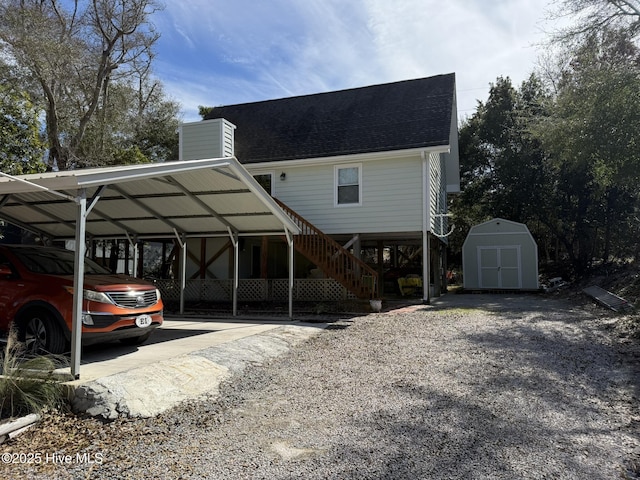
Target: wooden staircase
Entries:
(333, 259)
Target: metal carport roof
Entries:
(182, 199)
(193, 198)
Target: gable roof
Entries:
(387, 117)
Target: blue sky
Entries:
(222, 52)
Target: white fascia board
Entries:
(141, 172)
(92, 177)
(356, 157)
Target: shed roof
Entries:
(386, 117)
(498, 225)
(192, 198)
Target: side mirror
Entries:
(5, 271)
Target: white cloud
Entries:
(221, 52)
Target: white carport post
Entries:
(78, 283)
(236, 273)
(290, 243)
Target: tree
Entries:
(503, 168)
(21, 149)
(155, 120)
(137, 125)
(592, 16)
(82, 49)
(592, 140)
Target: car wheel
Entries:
(40, 333)
(136, 340)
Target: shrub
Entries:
(28, 384)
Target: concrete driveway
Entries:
(187, 357)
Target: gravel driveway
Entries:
(471, 387)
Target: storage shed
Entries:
(500, 254)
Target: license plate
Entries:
(143, 321)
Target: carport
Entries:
(181, 199)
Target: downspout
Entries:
(426, 216)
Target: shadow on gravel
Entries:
(565, 346)
(450, 438)
(554, 357)
(541, 395)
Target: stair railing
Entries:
(332, 258)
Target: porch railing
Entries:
(255, 290)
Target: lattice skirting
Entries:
(254, 290)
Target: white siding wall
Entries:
(206, 139)
(391, 196)
(452, 160)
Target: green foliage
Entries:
(562, 158)
(503, 169)
(133, 126)
(130, 156)
(592, 140)
(204, 111)
(22, 149)
(28, 385)
(88, 69)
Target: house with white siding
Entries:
(365, 172)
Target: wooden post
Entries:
(380, 268)
(203, 255)
(264, 258)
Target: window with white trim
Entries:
(348, 184)
(266, 181)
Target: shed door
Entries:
(499, 267)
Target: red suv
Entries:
(36, 295)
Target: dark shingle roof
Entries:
(391, 116)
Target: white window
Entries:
(348, 184)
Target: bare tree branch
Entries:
(79, 46)
(589, 17)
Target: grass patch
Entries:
(28, 384)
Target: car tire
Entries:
(40, 333)
(136, 340)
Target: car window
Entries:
(55, 262)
